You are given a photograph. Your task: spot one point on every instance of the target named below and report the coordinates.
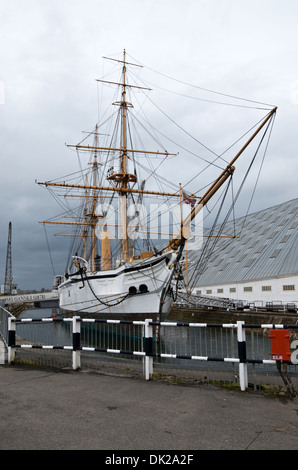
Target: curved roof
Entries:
(266, 246)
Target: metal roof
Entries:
(266, 246)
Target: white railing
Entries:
(155, 343)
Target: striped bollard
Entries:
(242, 355)
(11, 340)
(148, 350)
(76, 343)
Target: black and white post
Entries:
(76, 343)
(243, 377)
(11, 340)
(148, 350)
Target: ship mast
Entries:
(125, 176)
(121, 178)
(124, 106)
(93, 215)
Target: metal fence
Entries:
(236, 354)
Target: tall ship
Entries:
(118, 264)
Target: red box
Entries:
(280, 345)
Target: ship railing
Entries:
(235, 345)
(206, 301)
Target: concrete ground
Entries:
(63, 410)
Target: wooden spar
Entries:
(116, 149)
(130, 86)
(71, 235)
(65, 223)
(108, 188)
(139, 231)
(82, 196)
(179, 239)
(122, 61)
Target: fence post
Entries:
(242, 355)
(76, 343)
(11, 340)
(148, 349)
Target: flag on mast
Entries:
(188, 199)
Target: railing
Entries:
(235, 350)
(34, 297)
(206, 301)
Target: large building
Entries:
(260, 265)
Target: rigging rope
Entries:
(48, 245)
(203, 261)
(202, 88)
(271, 122)
(205, 254)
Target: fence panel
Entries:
(116, 346)
(264, 373)
(234, 354)
(196, 353)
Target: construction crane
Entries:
(8, 283)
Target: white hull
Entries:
(136, 288)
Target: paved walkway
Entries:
(45, 409)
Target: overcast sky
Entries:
(51, 53)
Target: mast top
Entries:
(123, 61)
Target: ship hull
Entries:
(134, 291)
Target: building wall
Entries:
(283, 289)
